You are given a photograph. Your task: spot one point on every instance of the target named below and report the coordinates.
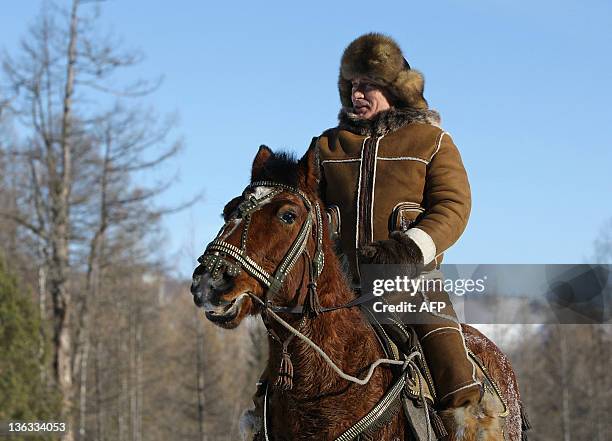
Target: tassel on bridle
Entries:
(284, 381)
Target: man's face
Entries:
(368, 98)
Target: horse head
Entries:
(271, 237)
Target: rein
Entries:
(326, 357)
(385, 403)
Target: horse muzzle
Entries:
(209, 289)
(208, 293)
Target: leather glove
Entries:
(398, 249)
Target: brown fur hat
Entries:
(379, 58)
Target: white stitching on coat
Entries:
(439, 329)
(403, 158)
(341, 160)
(439, 144)
(373, 187)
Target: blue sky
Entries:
(523, 87)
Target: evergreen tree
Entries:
(24, 396)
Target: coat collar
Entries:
(386, 121)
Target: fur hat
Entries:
(379, 58)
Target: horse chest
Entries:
(322, 417)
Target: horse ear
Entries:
(263, 154)
(310, 166)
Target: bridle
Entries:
(215, 257)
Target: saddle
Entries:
(418, 398)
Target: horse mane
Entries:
(282, 167)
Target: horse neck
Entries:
(343, 334)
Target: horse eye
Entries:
(288, 217)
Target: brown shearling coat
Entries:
(399, 170)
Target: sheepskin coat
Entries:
(396, 171)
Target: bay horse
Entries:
(274, 249)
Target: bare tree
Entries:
(78, 201)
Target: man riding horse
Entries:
(397, 193)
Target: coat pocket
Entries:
(333, 219)
(404, 215)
